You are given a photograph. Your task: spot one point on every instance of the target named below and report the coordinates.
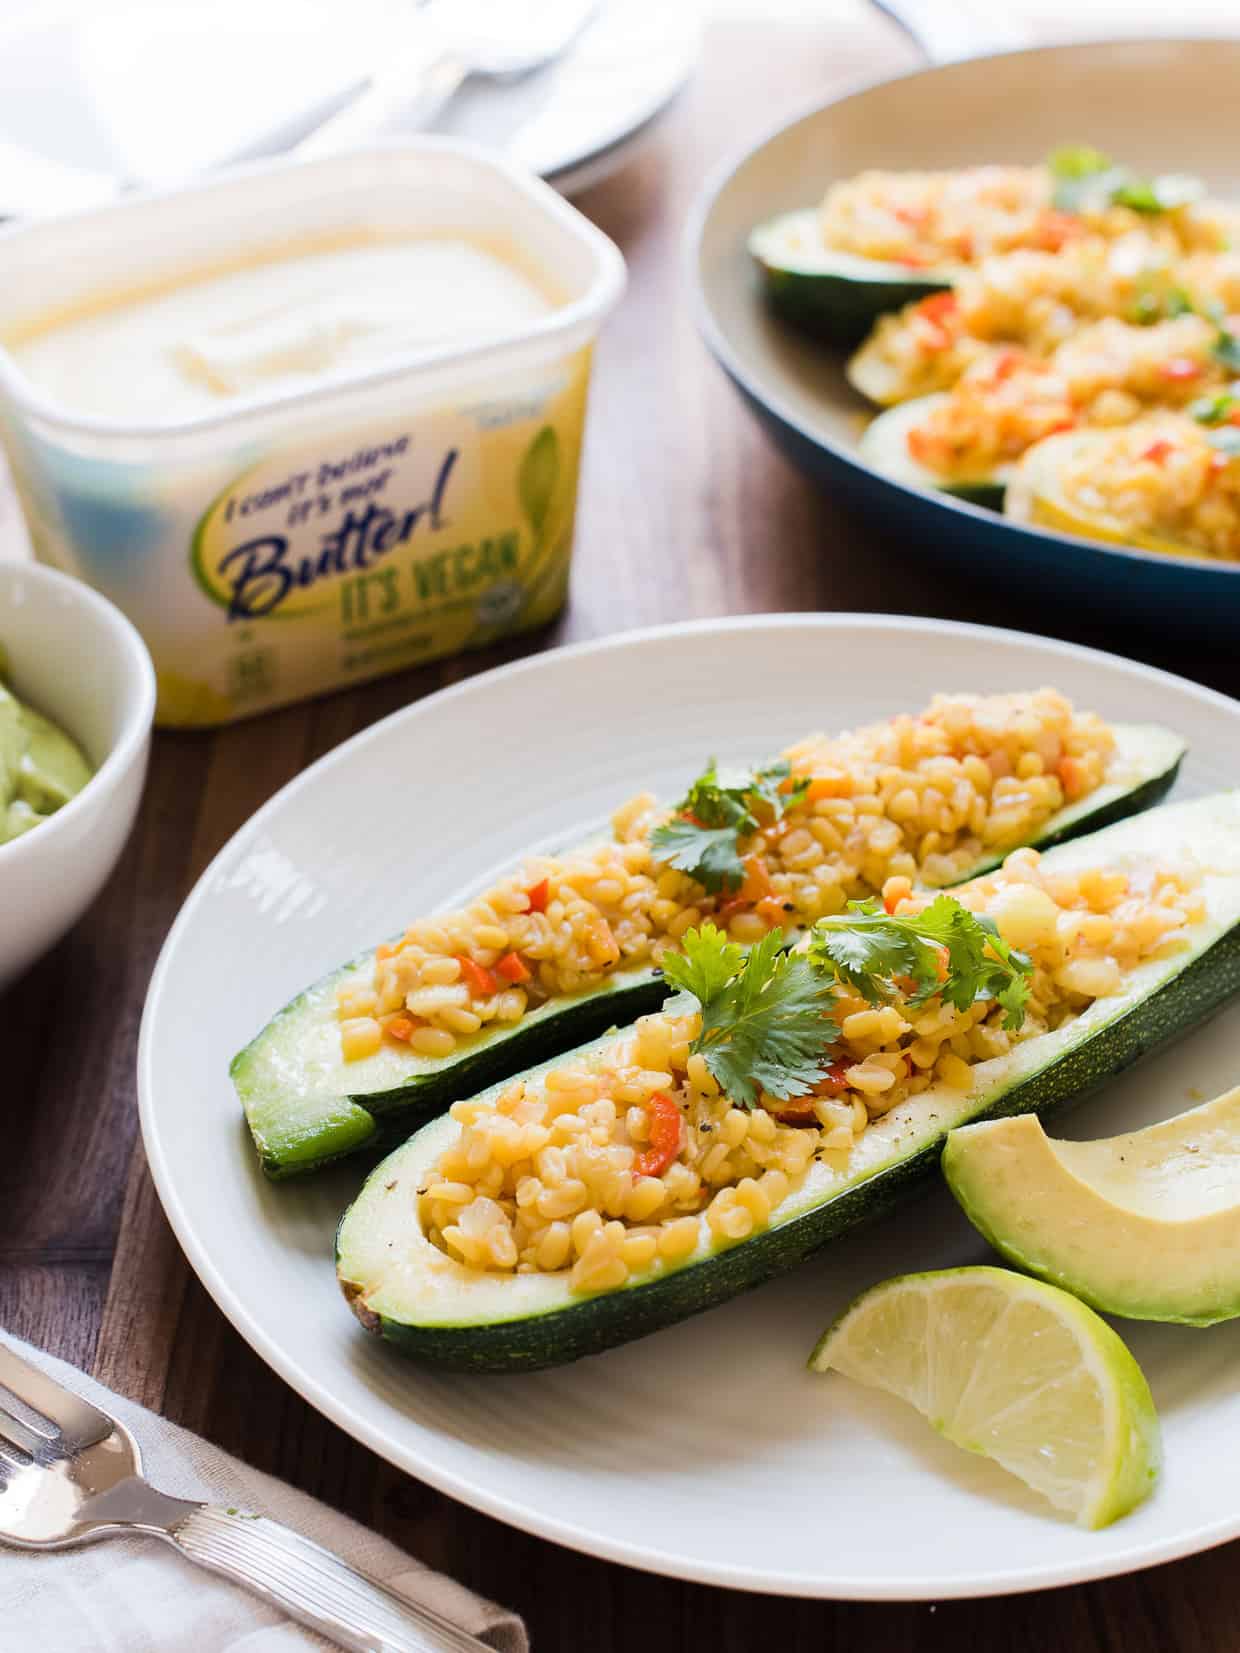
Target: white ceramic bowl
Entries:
(79, 660)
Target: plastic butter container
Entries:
(345, 506)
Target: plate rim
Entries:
(716, 339)
(594, 158)
(476, 1494)
(607, 153)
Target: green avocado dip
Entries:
(41, 768)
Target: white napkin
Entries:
(137, 1595)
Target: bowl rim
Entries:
(136, 727)
(717, 342)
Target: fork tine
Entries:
(80, 1424)
(17, 1437)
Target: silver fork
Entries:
(74, 1474)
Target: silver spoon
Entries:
(491, 39)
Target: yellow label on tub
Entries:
(326, 563)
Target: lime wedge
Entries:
(1015, 1370)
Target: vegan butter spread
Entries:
(346, 457)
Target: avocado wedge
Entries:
(403, 1288)
(884, 447)
(836, 296)
(306, 1106)
(1145, 1225)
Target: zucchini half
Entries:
(836, 296)
(403, 1288)
(870, 373)
(1034, 497)
(884, 447)
(306, 1106)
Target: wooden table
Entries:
(686, 512)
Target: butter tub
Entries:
(289, 542)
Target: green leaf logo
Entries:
(540, 470)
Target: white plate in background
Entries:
(151, 93)
(706, 1451)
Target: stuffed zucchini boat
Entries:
(832, 293)
(883, 239)
(784, 1097)
(1035, 302)
(889, 444)
(1169, 484)
(570, 945)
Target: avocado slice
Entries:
(306, 1106)
(1144, 1225)
(403, 1288)
(835, 296)
(884, 447)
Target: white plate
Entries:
(706, 1451)
(133, 92)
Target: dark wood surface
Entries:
(685, 512)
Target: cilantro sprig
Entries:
(703, 836)
(1155, 303)
(1227, 349)
(767, 1021)
(1217, 413)
(1084, 177)
(1215, 409)
(946, 951)
(769, 1016)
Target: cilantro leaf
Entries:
(1073, 161)
(1085, 177)
(1152, 304)
(1227, 349)
(1007, 973)
(707, 964)
(1163, 193)
(945, 951)
(702, 838)
(766, 1015)
(1217, 413)
(868, 950)
(1213, 410)
(708, 854)
(768, 787)
(980, 964)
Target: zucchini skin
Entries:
(1135, 802)
(378, 1120)
(598, 1323)
(833, 297)
(837, 309)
